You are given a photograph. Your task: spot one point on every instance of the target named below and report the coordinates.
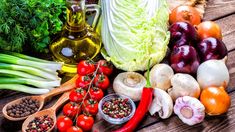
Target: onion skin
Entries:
(216, 100)
(213, 73)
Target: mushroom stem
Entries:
(187, 112)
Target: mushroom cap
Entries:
(129, 84)
(184, 85)
(160, 76)
(162, 104)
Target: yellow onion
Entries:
(216, 100)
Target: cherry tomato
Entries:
(71, 109)
(105, 67)
(209, 29)
(77, 95)
(74, 129)
(83, 81)
(90, 106)
(101, 81)
(85, 67)
(185, 14)
(63, 123)
(85, 122)
(96, 93)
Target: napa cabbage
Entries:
(133, 31)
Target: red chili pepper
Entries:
(142, 109)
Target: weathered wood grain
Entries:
(219, 8)
(231, 67)
(227, 26)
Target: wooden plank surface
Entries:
(227, 25)
(216, 9)
(223, 11)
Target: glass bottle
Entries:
(77, 40)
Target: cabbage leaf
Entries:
(133, 31)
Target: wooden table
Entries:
(220, 11)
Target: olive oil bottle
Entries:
(77, 40)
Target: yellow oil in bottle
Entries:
(77, 41)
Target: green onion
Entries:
(30, 70)
(52, 67)
(36, 83)
(28, 74)
(19, 74)
(23, 88)
(26, 57)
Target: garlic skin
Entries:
(213, 73)
(160, 76)
(190, 110)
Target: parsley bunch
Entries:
(30, 24)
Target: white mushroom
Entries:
(160, 76)
(189, 109)
(183, 85)
(162, 103)
(130, 84)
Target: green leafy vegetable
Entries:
(30, 23)
(133, 31)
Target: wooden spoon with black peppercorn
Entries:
(50, 112)
(13, 110)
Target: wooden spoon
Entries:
(41, 98)
(51, 112)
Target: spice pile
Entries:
(117, 108)
(40, 124)
(25, 107)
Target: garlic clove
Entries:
(189, 109)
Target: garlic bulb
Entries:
(189, 109)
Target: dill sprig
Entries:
(30, 23)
